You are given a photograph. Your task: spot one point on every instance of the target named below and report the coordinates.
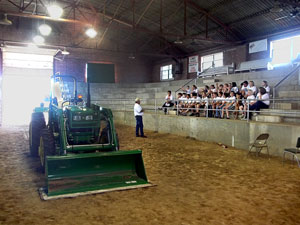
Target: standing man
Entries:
(138, 113)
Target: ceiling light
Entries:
(55, 11)
(39, 40)
(5, 21)
(91, 32)
(45, 29)
(65, 52)
(276, 9)
(131, 56)
(178, 41)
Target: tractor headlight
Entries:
(89, 117)
(76, 118)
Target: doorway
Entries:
(25, 84)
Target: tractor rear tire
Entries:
(36, 125)
(47, 146)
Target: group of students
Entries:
(218, 100)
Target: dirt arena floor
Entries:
(197, 183)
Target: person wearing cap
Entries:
(138, 113)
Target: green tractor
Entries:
(79, 146)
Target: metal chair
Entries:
(293, 152)
(260, 143)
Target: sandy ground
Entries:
(197, 183)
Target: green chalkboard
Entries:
(100, 73)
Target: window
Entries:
(214, 60)
(283, 51)
(166, 72)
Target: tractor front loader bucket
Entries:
(91, 173)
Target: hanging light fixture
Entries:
(38, 39)
(55, 11)
(91, 32)
(45, 29)
(65, 52)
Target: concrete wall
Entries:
(1, 72)
(229, 132)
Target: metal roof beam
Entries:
(213, 18)
(144, 12)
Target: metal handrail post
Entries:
(274, 97)
(177, 108)
(248, 113)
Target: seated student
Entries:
(220, 87)
(220, 104)
(230, 105)
(194, 89)
(179, 97)
(212, 88)
(203, 104)
(245, 87)
(186, 106)
(206, 88)
(195, 100)
(226, 88)
(263, 102)
(234, 88)
(266, 86)
(169, 101)
(187, 90)
(238, 105)
(252, 87)
(250, 101)
(181, 103)
(198, 105)
(214, 103)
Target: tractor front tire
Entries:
(36, 125)
(47, 146)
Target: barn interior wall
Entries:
(234, 55)
(126, 70)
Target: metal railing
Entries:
(282, 80)
(127, 105)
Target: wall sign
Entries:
(258, 46)
(193, 64)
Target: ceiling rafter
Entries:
(294, 3)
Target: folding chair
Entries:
(260, 143)
(293, 152)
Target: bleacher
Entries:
(121, 96)
(259, 64)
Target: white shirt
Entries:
(251, 97)
(170, 98)
(253, 88)
(188, 91)
(267, 89)
(138, 110)
(235, 89)
(205, 100)
(231, 99)
(264, 97)
(245, 89)
(195, 91)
